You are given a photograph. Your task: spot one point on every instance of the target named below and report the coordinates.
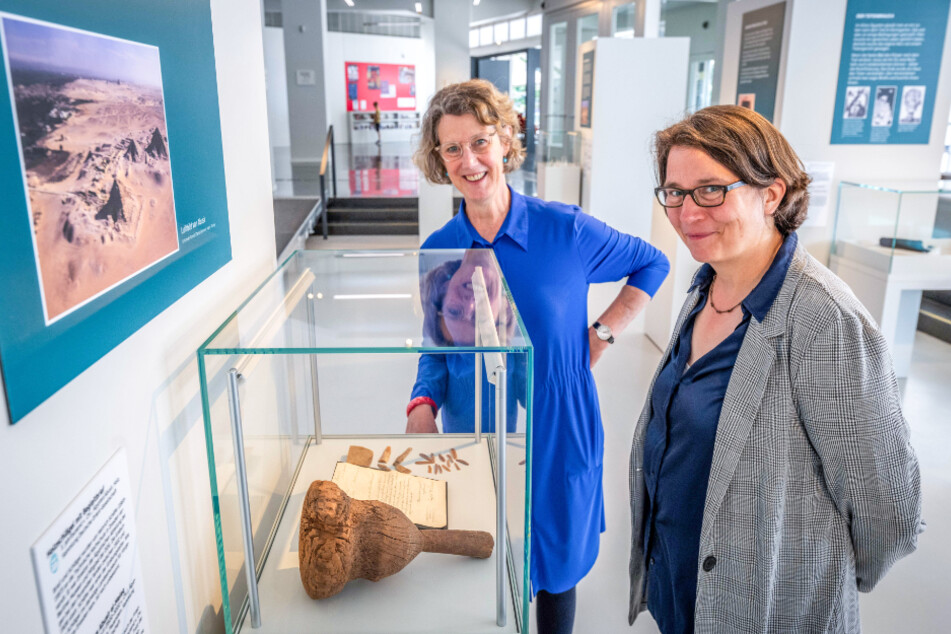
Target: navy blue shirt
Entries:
(678, 450)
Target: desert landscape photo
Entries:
(90, 116)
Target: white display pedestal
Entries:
(560, 182)
(893, 298)
(434, 593)
(435, 207)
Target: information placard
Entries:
(888, 71)
(760, 51)
(86, 564)
(587, 88)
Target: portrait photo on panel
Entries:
(912, 103)
(856, 102)
(884, 109)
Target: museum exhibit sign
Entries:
(761, 48)
(393, 86)
(112, 170)
(888, 71)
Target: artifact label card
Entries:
(86, 563)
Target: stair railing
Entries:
(324, 202)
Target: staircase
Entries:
(373, 216)
(935, 315)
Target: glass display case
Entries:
(323, 356)
(891, 242)
(558, 170)
(890, 227)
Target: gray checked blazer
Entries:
(814, 489)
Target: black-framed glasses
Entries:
(479, 144)
(704, 196)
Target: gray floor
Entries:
(913, 597)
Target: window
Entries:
(473, 38)
(533, 25)
(501, 32)
(517, 29)
(622, 21)
(485, 36)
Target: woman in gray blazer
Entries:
(771, 472)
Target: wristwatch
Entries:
(604, 332)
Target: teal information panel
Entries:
(112, 178)
(761, 47)
(888, 71)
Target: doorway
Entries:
(517, 74)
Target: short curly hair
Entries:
(481, 99)
(748, 145)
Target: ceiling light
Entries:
(419, 7)
(475, 3)
(349, 2)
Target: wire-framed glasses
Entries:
(479, 144)
(704, 196)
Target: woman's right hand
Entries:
(421, 420)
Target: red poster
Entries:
(393, 86)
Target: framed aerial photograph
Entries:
(113, 178)
(90, 115)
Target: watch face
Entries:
(604, 333)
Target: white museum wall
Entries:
(358, 47)
(305, 49)
(275, 76)
(808, 104)
(143, 395)
(617, 169)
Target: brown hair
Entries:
(482, 100)
(748, 145)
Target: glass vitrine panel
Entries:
(324, 355)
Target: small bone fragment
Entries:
(386, 455)
(360, 456)
(442, 458)
(400, 458)
(425, 459)
(429, 469)
(458, 468)
(453, 452)
(461, 461)
(438, 469)
(401, 468)
(382, 467)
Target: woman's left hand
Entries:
(596, 345)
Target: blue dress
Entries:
(549, 253)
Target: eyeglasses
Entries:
(479, 144)
(704, 196)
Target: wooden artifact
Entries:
(342, 539)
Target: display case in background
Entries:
(395, 125)
(559, 166)
(891, 242)
(323, 356)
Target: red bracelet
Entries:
(419, 400)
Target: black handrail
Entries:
(328, 145)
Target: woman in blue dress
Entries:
(549, 253)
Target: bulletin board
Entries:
(392, 85)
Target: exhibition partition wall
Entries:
(141, 399)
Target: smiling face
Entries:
(479, 176)
(731, 232)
